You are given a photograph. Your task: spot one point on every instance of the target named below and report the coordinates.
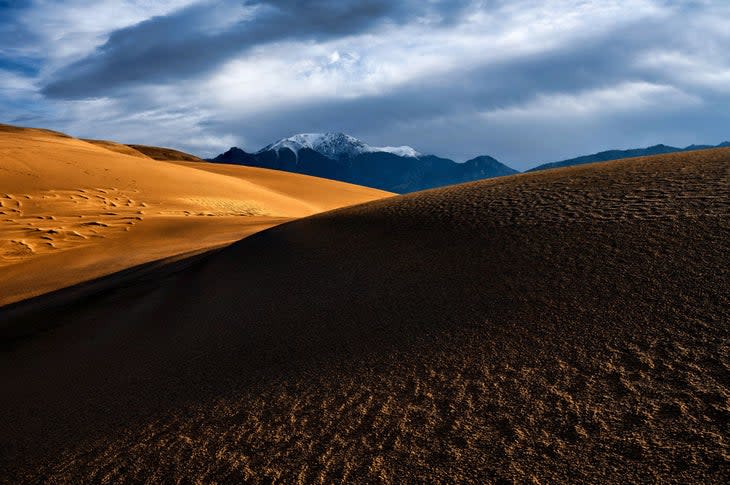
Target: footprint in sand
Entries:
(75, 235)
(16, 248)
(13, 203)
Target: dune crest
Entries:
(72, 210)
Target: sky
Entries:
(524, 81)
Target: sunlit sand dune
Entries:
(563, 326)
(72, 210)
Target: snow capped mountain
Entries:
(337, 146)
(338, 156)
(331, 145)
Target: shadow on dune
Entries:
(565, 325)
(30, 318)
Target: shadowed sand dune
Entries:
(117, 147)
(565, 326)
(145, 151)
(72, 210)
(165, 154)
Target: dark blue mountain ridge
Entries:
(609, 155)
(342, 157)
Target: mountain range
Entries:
(399, 169)
(609, 155)
(342, 157)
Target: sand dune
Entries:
(117, 147)
(72, 210)
(165, 154)
(562, 326)
(146, 151)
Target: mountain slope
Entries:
(337, 146)
(621, 154)
(342, 157)
(72, 210)
(236, 156)
(485, 167)
(559, 326)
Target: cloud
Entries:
(524, 80)
(604, 101)
(199, 38)
(681, 68)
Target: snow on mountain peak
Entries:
(401, 151)
(337, 146)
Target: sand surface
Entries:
(117, 147)
(561, 326)
(167, 154)
(72, 210)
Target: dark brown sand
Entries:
(561, 326)
(166, 154)
(117, 147)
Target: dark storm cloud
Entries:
(463, 93)
(177, 47)
(527, 81)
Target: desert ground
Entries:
(561, 326)
(74, 210)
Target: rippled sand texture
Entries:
(560, 326)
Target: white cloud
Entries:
(690, 70)
(107, 118)
(14, 83)
(621, 98)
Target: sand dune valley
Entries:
(169, 320)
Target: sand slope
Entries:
(165, 154)
(565, 326)
(117, 147)
(71, 210)
(146, 151)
